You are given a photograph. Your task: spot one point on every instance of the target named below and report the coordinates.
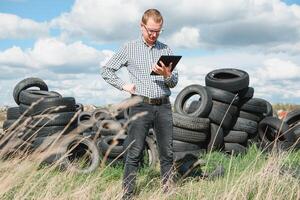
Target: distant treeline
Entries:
(286, 107)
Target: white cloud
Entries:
(55, 55)
(101, 20)
(262, 23)
(277, 69)
(187, 37)
(14, 27)
(291, 48)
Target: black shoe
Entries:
(127, 197)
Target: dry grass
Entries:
(2, 116)
(253, 176)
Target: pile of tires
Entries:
(40, 113)
(223, 115)
(110, 133)
(191, 130)
(230, 94)
(41, 118)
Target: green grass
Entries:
(254, 175)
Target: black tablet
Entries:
(167, 59)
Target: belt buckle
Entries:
(155, 101)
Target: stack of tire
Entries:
(228, 106)
(230, 93)
(40, 113)
(41, 118)
(254, 117)
(110, 132)
(191, 130)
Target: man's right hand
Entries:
(129, 88)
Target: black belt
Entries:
(154, 101)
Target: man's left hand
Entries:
(164, 70)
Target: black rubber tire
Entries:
(45, 131)
(179, 146)
(79, 107)
(13, 113)
(49, 105)
(82, 145)
(292, 117)
(216, 138)
(191, 136)
(229, 79)
(100, 114)
(194, 105)
(223, 95)
(109, 127)
(45, 141)
(232, 109)
(206, 101)
(28, 83)
(296, 130)
(7, 123)
(269, 112)
(234, 148)
(246, 125)
(255, 105)
(251, 116)
(236, 137)
(218, 112)
(30, 96)
(246, 94)
(271, 128)
(180, 155)
(192, 123)
(105, 143)
(85, 119)
(57, 119)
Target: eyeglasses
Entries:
(151, 32)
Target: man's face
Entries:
(151, 31)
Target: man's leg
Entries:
(163, 126)
(137, 132)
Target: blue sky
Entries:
(66, 42)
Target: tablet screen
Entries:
(167, 59)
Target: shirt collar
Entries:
(143, 40)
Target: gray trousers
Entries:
(160, 118)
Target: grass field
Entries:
(254, 175)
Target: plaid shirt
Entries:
(139, 59)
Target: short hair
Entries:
(154, 14)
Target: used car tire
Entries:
(229, 79)
(292, 117)
(186, 135)
(192, 123)
(206, 101)
(30, 96)
(223, 95)
(236, 137)
(28, 83)
(216, 138)
(271, 128)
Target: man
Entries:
(140, 58)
